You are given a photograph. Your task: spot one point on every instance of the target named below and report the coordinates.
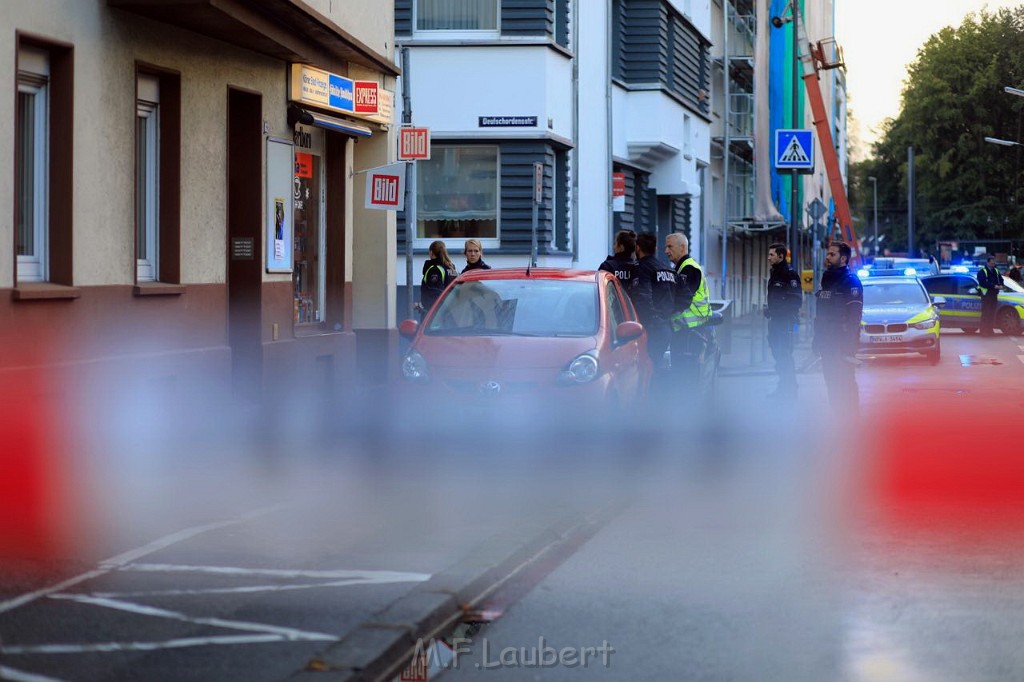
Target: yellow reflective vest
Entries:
(700, 309)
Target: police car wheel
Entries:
(1009, 321)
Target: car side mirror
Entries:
(974, 291)
(938, 301)
(716, 318)
(627, 331)
(408, 328)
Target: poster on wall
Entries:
(281, 167)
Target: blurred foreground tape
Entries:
(34, 523)
(949, 464)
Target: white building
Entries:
(611, 98)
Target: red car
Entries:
(541, 341)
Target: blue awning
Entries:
(298, 115)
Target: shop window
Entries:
(147, 178)
(308, 247)
(32, 169)
(477, 18)
(457, 194)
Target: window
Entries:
(475, 17)
(147, 178)
(32, 170)
(457, 193)
(308, 276)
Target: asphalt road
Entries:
(767, 541)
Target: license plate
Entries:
(887, 338)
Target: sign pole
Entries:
(410, 197)
(538, 196)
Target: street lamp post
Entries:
(1003, 143)
(874, 184)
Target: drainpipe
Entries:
(726, 143)
(574, 239)
(608, 107)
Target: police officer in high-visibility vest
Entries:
(990, 282)
(693, 310)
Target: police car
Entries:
(963, 303)
(899, 317)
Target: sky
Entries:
(879, 39)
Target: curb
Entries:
(378, 649)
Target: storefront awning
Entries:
(289, 30)
(313, 118)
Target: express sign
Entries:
(414, 144)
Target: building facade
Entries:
(183, 189)
(598, 109)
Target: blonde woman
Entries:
(474, 252)
(438, 273)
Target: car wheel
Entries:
(1009, 322)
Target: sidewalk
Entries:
(745, 349)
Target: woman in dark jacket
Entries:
(474, 252)
(438, 273)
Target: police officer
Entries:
(989, 282)
(837, 327)
(622, 263)
(782, 309)
(438, 273)
(654, 298)
(692, 310)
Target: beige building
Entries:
(185, 193)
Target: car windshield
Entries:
(519, 307)
(1010, 285)
(894, 293)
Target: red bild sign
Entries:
(365, 97)
(384, 190)
(413, 144)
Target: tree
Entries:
(953, 98)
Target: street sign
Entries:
(816, 209)
(794, 150)
(538, 183)
(618, 192)
(413, 144)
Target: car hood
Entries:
(895, 313)
(1011, 297)
(501, 352)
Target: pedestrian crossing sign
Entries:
(794, 150)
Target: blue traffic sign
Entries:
(794, 150)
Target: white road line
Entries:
(347, 574)
(21, 676)
(128, 557)
(243, 590)
(113, 647)
(291, 634)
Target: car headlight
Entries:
(926, 324)
(581, 370)
(414, 367)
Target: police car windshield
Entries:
(894, 293)
(518, 307)
(1010, 285)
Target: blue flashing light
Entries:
(863, 273)
(962, 269)
(910, 272)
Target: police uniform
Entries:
(654, 300)
(988, 280)
(623, 266)
(693, 310)
(837, 334)
(435, 278)
(784, 298)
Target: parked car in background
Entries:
(963, 303)
(899, 317)
(535, 344)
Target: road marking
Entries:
(128, 557)
(113, 647)
(290, 634)
(369, 576)
(20, 676)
